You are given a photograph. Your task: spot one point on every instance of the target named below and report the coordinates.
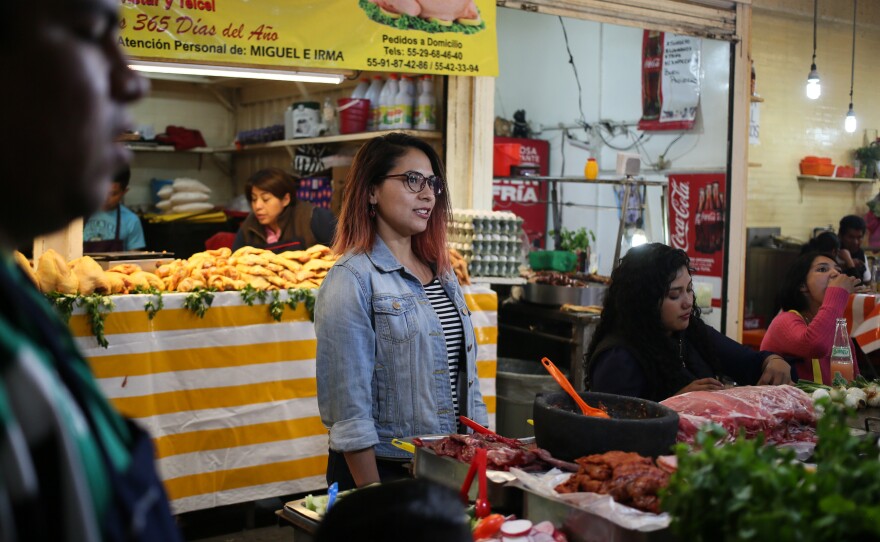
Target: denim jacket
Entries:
(381, 360)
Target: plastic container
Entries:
(552, 260)
(373, 96)
(329, 117)
(360, 91)
(424, 117)
(386, 102)
(354, 114)
(591, 169)
(517, 383)
(403, 104)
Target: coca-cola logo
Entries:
(680, 198)
(652, 62)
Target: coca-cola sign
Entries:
(680, 205)
(696, 219)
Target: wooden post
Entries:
(739, 159)
(469, 137)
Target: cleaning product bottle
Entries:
(403, 104)
(360, 91)
(386, 102)
(328, 116)
(591, 169)
(425, 110)
(372, 94)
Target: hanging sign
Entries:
(670, 81)
(696, 222)
(455, 37)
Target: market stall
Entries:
(230, 397)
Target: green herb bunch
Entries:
(747, 491)
(575, 240)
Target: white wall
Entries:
(535, 75)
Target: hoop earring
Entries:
(372, 210)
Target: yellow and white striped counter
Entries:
(230, 399)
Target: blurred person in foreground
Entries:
(72, 468)
(813, 295)
(406, 509)
(396, 354)
(278, 221)
(651, 342)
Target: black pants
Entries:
(389, 470)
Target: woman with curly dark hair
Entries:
(651, 342)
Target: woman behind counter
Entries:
(396, 352)
(813, 296)
(278, 222)
(651, 342)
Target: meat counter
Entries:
(230, 398)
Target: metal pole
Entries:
(623, 208)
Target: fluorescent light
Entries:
(235, 72)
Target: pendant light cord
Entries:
(815, 16)
(852, 73)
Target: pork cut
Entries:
(783, 414)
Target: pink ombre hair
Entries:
(356, 231)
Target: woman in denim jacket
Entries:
(396, 348)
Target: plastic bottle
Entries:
(841, 354)
(329, 118)
(591, 169)
(426, 108)
(373, 94)
(386, 102)
(360, 91)
(403, 104)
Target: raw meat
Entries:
(443, 10)
(784, 414)
(502, 454)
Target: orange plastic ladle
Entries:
(566, 385)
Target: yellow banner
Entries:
(451, 37)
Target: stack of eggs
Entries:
(490, 241)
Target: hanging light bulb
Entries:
(850, 123)
(814, 89)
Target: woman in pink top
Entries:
(814, 295)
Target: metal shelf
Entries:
(628, 183)
(834, 179)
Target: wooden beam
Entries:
(665, 15)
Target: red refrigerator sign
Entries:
(697, 210)
(526, 199)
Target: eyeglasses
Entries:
(416, 182)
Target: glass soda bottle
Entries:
(841, 353)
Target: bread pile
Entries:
(220, 269)
(460, 266)
(185, 196)
(261, 269)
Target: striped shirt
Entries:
(452, 331)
